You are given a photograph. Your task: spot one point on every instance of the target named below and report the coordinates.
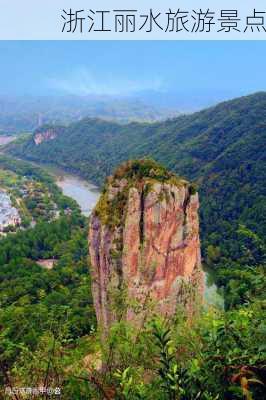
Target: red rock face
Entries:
(150, 257)
(40, 137)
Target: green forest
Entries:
(220, 149)
(48, 329)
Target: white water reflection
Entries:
(85, 194)
(212, 295)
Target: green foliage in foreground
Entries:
(32, 297)
(210, 356)
(48, 338)
(47, 322)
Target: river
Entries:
(87, 194)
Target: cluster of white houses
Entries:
(9, 215)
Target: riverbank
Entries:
(85, 193)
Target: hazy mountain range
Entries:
(24, 114)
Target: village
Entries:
(9, 215)
(23, 202)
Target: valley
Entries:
(98, 288)
(220, 149)
(83, 192)
(86, 195)
(133, 204)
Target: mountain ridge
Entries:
(220, 148)
(91, 134)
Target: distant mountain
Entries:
(221, 148)
(25, 115)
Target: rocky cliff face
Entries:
(45, 135)
(144, 243)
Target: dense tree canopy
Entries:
(47, 322)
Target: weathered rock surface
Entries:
(45, 135)
(144, 243)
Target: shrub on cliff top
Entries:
(143, 168)
(136, 173)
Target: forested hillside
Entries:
(48, 330)
(187, 144)
(49, 341)
(221, 148)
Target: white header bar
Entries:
(132, 20)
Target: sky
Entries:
(125, 67)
